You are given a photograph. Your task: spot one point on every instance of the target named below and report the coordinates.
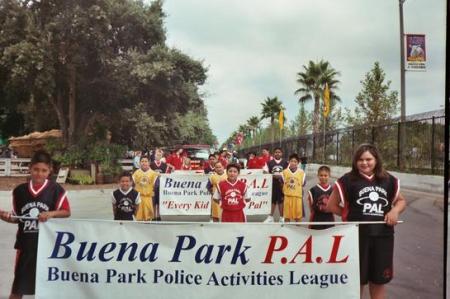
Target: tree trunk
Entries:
(57, 103)
(72, 104)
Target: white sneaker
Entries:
(281, 220)
(269, 219)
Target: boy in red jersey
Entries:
(232, 194)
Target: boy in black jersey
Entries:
(318, 198)
(125, 200)
(276, 167)
(38, 200)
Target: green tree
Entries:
(312, 84)
(376, 104)
(88, 60)
(271, 108)
(254, 124)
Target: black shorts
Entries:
(277, 196)
(25, 273)
(376, 259)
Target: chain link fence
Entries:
(413, 146)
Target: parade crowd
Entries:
(366, 193)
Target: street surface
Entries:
(419, 245)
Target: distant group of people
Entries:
(366, 193)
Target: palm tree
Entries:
(254, 123)
(312, 84)
(271, 109)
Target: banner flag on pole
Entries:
(326, 101)
(281, 119)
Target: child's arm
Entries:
(216, 196)
(137, 203)
(62, 211)
(44, 216)
(209, 186)
(333, 203)
(7, 217)
(398, 206)
(309, 200)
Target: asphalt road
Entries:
(419, 245)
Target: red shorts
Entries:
(233, 216)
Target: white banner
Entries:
(107, 259)
(186, 194)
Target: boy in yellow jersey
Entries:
(293, 179)
(144, 179)
(214, 180)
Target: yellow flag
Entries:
(281, 119)
(326, 101)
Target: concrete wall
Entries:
(424, 183)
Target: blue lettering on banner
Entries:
(321, 280)
(107, 252)
(55, 274)
(112, 276)
(204, 253)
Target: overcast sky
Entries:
(253, 49)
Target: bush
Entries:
(81, 179)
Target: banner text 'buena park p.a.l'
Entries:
(110, 259)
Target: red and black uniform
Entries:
(367, 198)
(126, 204)
(29, 201)
(159, 166)
(318, 197)
(276, 167)
(232, 198)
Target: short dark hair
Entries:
(324, 168)
(234, 165)
(143, 157)
(41, 156)
(126, 174)
(294, 156)
(278, 149)
(211, 155)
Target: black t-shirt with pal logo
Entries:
(368, 199)
(29, 202)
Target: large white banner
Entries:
(186, 194)
(107, 259)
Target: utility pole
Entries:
(402, 130)
(402, 64)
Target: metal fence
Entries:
(413, 146)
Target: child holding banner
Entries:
(144, 180)
(214, 180)
(232, 194)
(369, 193)
(293, 179)
(38, 200)
(318, 197)
(276, 167)
(125, 200)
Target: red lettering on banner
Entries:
(334, 251)
(306, 250)
(273, 247)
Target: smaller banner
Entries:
(187, 194)
(415, 52)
